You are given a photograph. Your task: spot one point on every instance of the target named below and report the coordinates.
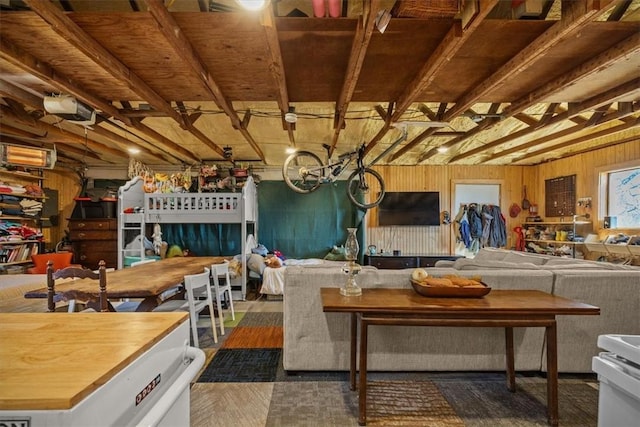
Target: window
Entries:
(622, 196)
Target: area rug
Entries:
(262, 319)
(243, 365)
(489, 403)
(390, 403)
(255, 337)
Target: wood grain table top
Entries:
(497, 302)
(145, 280)
(54, 360)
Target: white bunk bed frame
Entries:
(187, 208)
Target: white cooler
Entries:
(618, 371)
(106, 369)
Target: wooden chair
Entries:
(220, 272)
(198, 294)
(79, 273)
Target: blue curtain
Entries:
(298, 225)
(306, 225)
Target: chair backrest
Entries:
(40, 261)
(144, 261)
(196, 286)
(220, 270)
(77, 273)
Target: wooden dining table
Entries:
(500, 308)
(146, 281)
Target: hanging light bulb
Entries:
(252, 4)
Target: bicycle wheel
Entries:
(364, 183)
(303, 172)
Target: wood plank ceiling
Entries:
(515, 82)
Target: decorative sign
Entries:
(560, 196)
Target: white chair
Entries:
(218, 272)
(198, 294)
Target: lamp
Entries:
(252, 4)
(35, 157)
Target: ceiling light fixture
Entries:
(442, 149)
(252, 4)
(291, 116)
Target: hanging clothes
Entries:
(498, 228)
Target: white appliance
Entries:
(149, 387)
(618, 371)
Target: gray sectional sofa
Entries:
(318, 341)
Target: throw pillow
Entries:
(336, 254)
(256, 263)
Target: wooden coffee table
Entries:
(500, 308)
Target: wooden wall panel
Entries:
(425, 239)
(438, 178)
(68, 185)
(414, 239)
(587, 167)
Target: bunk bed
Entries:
(136, 209)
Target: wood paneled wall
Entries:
(439, 178)
(436, 178)
(440, 239)
(68, 184)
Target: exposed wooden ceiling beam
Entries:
(77, 37)
(575, 14)
(164, 142)
(566, 132)
(364, 31)
(144, 147)
(19, 136)
(590, 104)
(277, 68)
(12, 91)
(586, 138)
(56, 79)
(183, 47)
(627, 47)
(56, 134)
(447, 48)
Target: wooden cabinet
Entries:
(94, 239)
(390, 262)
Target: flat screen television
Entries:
(410, 208)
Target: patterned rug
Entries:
(251, 352)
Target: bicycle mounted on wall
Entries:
(304, 172)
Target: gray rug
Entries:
(446, 400)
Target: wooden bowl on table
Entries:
(425, 289)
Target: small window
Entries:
(623, 197)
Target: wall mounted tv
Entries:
(410, 208)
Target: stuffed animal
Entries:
(273, 262)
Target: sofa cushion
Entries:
(473, 264)
(491, 254)
(517, 257)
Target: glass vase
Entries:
(351, 249)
